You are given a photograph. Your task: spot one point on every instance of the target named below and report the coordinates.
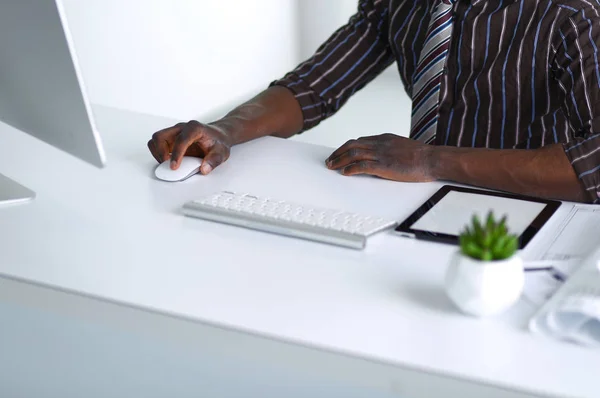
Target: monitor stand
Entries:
(12, 192)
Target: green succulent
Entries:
(488, 242)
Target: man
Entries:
(507, 91)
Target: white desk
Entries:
(116, 234)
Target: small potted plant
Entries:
(486, 275)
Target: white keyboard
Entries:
(284, 218)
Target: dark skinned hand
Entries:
(387, 156)
(191, 139)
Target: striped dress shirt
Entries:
(519, 74)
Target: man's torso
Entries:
(498, 88)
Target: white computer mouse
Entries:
(189, 166)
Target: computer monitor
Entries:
(41, 89)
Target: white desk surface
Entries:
(117, 234)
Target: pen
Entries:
(534, 269)
(556, 274)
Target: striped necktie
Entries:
(428, 75)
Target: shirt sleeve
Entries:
(353, 56)
(576, 66)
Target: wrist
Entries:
(232, 128)
(438, 163)
(275, 111)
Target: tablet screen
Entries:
(445, 215)
(455, 210)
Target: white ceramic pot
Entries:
(483, 288)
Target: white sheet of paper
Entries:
(455, 211)
(578, 236)
(564, 249)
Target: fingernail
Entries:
(173, 164)
(206, 168)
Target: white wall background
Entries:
(318, 19)
(181, 58)
(188, 59)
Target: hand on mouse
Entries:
(274, 111)
(191, 139)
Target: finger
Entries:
(371, 139)
(362, 167)
(352, 155)
(189, 134)
(213, 159)
(162, 141)
(346, 147)
(153, 151)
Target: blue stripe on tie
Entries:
(438, 30)
(424, 128)
(487, 50)
(436, 14)
(425, 78)
(537, 36)
(425, 85)
(434, 90)
(441, 43)
(434, 20)
(430, 65)
(504, 77)
(426, 113)
(587, 173)
(462, 30)
(431, 39)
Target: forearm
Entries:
(544, 172)
(275, 111)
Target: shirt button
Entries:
(445, 71)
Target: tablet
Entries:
(446, 214)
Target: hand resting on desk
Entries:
(387, 156)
